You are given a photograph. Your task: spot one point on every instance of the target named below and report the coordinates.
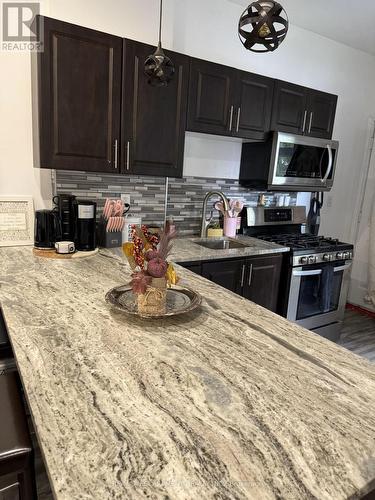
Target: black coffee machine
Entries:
(70, 220)
(64, 205)
(85, 220)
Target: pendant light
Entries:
(158, 67)
(263, 26)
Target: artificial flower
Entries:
(128, 250)
(171, 275)
(140, 282)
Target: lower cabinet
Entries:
(261, 284)
(255, 278)
(192, 266)
(227, 273)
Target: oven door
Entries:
(318, 294)
(302, 163)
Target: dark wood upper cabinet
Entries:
(78, 98)
(253, 105)
(153, 118)
(262, 280)
(94, 109)
(227, 273)
(227, 101)
(322, 109)
(289, 112)
(300, 110)
(211, 98)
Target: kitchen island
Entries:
(229, 401)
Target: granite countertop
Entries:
(187, 250)
(229, 401)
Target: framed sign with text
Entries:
(16, 221)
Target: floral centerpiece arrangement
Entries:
(147, 256)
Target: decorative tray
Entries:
(180, 300)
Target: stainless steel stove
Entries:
(315, 271)
(310, 249)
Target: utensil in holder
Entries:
(230, 226)
(108, 239)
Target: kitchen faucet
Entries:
(205, 222)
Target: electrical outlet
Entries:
(329, 201)
(126, 198)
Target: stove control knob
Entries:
(312, 259)
(346, 255)
(304, 260)
(326, 257)
(339, 255)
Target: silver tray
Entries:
(180, 300)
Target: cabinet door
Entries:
(194, 267)
(228, 273)
(321, 114)
(79, 98)
(211, 98)
(289, 112)
(262, 281)
(253, 114)
(154, 118)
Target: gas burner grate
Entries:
(302, 241)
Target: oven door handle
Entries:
(341, 268)
(312, 272)
(330, 163)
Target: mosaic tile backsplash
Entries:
(147, 195)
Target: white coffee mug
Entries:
(65, 247)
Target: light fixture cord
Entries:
(161, 13)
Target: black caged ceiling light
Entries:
(158, 67)
(263, 26)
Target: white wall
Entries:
(206, 29)
(217, 157)
(17, 175)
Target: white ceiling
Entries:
(351, 22)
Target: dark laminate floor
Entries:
(358, 335)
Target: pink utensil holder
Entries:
(230, 226)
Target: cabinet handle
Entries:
(116, 154)
(243, 275)
(250, 275)
(128, 155)
(311, 119)
(238, 119)
(231, 119)
(304, 121)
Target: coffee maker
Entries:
(64, 205)
(85, 221)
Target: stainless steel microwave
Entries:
(289, 162)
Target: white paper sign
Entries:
(13, 222)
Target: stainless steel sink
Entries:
(220, 243)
